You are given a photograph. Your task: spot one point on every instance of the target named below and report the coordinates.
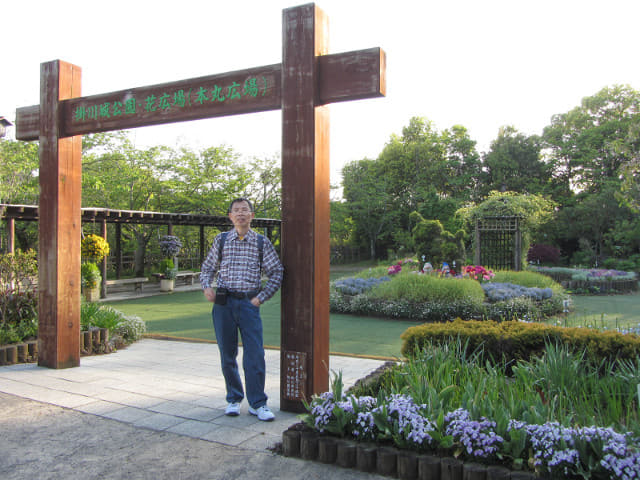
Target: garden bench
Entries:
(187, 276)
(138, 281)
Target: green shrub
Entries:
(167, 269)
(373, 272)
(91, 275)
(526, 279)
(100, 316)
(428, 288)
(520, 341)
(96, 315)
(130, 328)
(18, 296)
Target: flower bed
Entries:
(591, 281)
(550, 448)
(442, 296)
(482, 432)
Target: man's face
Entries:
(241, 214)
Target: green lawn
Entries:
(188, 315)
(601, 311)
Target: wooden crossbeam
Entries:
(342, 77)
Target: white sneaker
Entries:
(263, 413)
(233, 409)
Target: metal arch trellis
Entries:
(498, 242)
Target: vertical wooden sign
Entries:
(59, 222)
(304, 360)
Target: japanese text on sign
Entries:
(251, 87)
(295, 374)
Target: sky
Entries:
(480, 64)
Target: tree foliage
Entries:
(588, 145)
(535, 211)
(367, 190)
(436, 244)
(513, 164)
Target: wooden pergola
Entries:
(104, 216)
(301, 86)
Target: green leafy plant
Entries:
(167, 270)
(130, 328)
(97, 315)
(91, 276)
(18, 296)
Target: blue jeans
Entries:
(241, 315)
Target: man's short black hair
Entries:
(238, 200)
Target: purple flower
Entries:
(170, 245)
(410, 424)
(626, 468)
(478, 438)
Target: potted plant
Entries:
(170, 245)
(93, 249)
(91, 279)
(167, 275)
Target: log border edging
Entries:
(389, 461)
(92, 342)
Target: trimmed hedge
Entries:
(526, 279)
(521, 341)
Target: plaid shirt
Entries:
(239, 270)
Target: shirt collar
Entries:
(249, 236)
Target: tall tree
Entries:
(463, 165)
(513, 164)
(366, 189)
(414, 164)
(265, 187)
(630, 170)
(204, 181)
(19, 166)
(583, 144)
(119, 176)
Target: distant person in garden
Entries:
(237, 259)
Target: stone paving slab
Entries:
(167, 386)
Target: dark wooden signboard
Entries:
(302, 86)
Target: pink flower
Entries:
(393, 269)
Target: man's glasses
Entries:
(240, 210)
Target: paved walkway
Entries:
(149, 289)
(165, 386)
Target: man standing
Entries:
(238, 257)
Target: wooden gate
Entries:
(498, 243)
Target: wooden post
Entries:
(517, 247)
(11, 235)
(305, 210)
(59, 222)
(103, 265)
(201, 245)
(477, 245)
(118, 254)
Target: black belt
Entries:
(242, 295)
